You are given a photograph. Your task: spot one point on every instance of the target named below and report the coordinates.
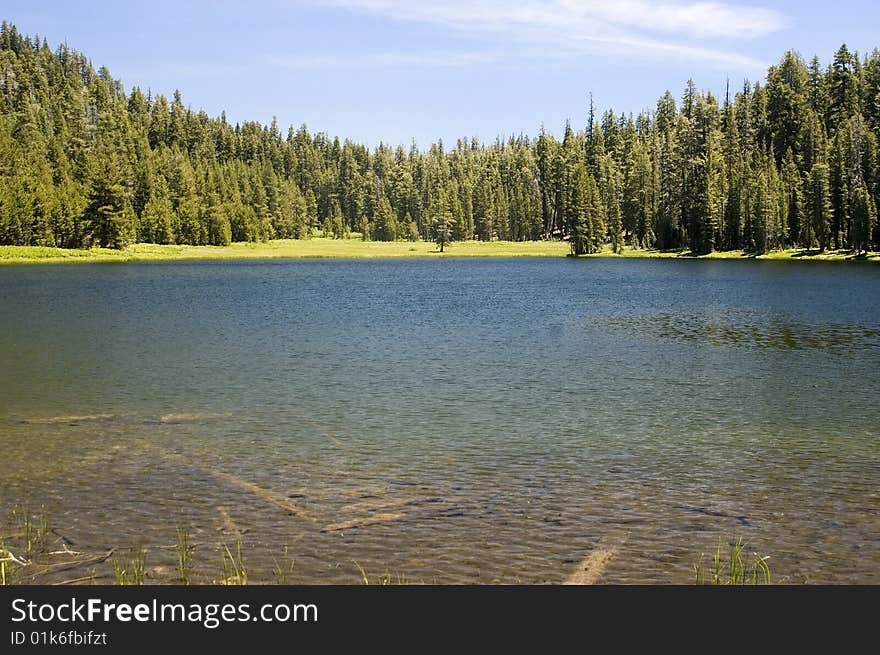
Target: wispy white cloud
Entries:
(570, 27)
(695, 19)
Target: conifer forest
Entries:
(787, 162)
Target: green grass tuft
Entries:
(234, 571)
(130, 571)
(183, 555)
(734, 570)
(383, 580)
(283, 570)
(34, 529)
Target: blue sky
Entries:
(398, 70)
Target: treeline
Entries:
(790, 163)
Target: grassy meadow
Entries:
(311, 248)
(321, 247)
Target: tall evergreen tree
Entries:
(864, 219)
(157, 218)
(819, 212)
(109, 215)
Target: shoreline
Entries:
(325, 248)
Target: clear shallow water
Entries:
(449, 420)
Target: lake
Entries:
(448, 421)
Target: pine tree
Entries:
(793, 186)
(818, 210)
(109, 216)
(157, 218)
(817, 90)
(670, 189)
(443, 229)
(385, 221)
(611, 203)
(760, 219)
(547, 154)
(841, 182)
(311, 215)
(412, 229)
(870, 87)
(864, 219)
(843, 88)
(335, 226)
(787, 103)
(579, 217)
(595, 212)
(219, 230)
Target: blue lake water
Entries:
(457, 420)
